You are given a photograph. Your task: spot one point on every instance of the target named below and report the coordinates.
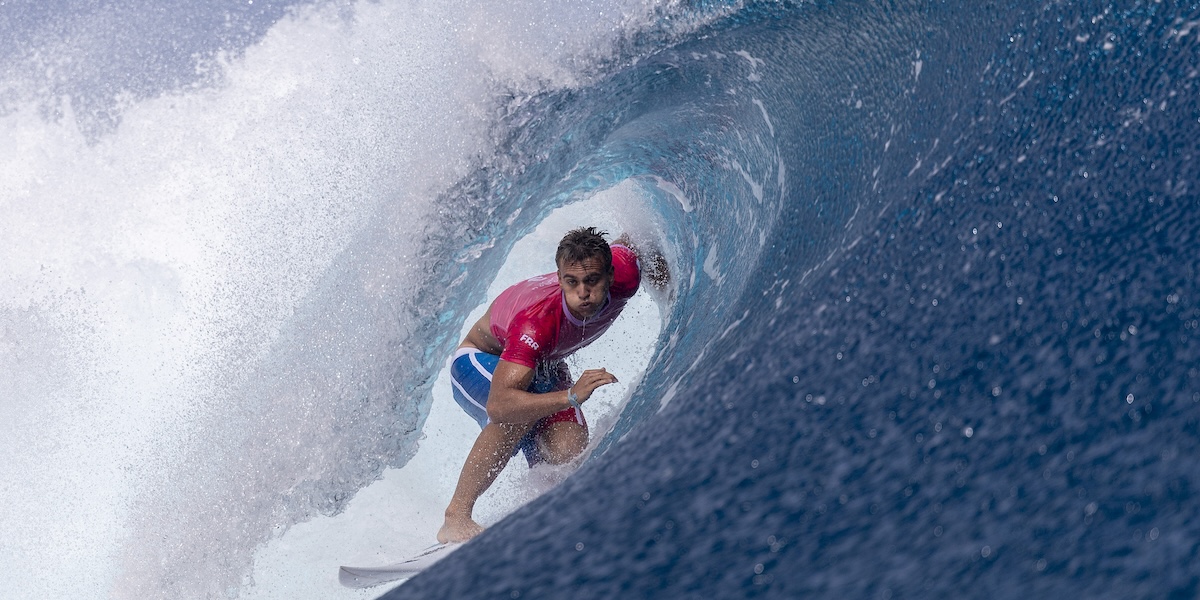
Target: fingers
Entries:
(592, 379)
(595, 378)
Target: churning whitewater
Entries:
(233, 259)
(932, 330)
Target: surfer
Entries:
(509, 374)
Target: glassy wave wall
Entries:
(936, 329)
(932, 330)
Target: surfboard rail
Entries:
(365, 577)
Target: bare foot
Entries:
(458, 530)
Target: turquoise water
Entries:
(932, 332)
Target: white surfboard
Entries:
(364, 577)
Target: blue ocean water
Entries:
(933, 331)
(936, 331)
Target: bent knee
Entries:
(563, 442)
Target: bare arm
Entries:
(480, 335)
(508, 402)
(654, 265)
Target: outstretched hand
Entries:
(590, 380)
(654, 265)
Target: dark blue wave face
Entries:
(952, 352)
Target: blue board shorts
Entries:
(471, 379)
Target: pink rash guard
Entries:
(531, 320)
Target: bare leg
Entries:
(562, 442)
(487, 458)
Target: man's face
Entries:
(585, 286)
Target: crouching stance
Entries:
(509, 374)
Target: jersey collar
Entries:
(583, 322)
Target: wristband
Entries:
(572, 398)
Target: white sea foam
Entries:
(401, 513)
(202, 312)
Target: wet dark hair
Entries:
(581, 244)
